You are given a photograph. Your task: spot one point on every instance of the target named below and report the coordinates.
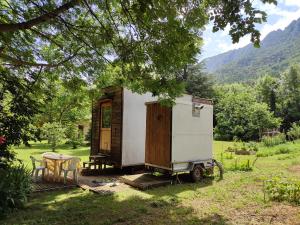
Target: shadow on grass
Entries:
(77, 207)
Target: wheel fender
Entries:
(193, 164)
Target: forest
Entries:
(245, 110)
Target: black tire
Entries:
(197, 173)
(218, 170)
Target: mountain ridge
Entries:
(278, 50)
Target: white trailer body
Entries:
(192, 133)
(125, 129)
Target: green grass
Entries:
(38, 148)
(237, 199)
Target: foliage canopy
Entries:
(149, 41)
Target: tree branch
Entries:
(47, 37)
(19, 62)
(38, 20)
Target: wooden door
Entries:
(105, 126)
(158, 135)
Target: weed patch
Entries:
(282, 189)
(275, 140)
(240, 165)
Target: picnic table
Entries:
(54, 161)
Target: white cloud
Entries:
(286, 17)
(292, 2)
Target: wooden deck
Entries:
(48, 185)
(145, 181)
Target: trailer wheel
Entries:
(218, 170)
(197, 173)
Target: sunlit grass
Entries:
(229, 201)
(38, 148)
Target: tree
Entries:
(54, 133)
(267, 91)
(240, 116)
(17, 108)
(198, 83)
(290, 97)
(75, 138)
(63, 101)
(148, 40)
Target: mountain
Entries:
(278, 50)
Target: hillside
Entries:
(278, 49)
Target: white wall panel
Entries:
(192, 137)
(134, 127)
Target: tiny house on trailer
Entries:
(134, 129)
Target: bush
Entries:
(282, 150)
(275, 140)
(54, 133)
(245, 149)
(264, 154)
(282, 189)
(15, 185)
(284, 157)
(294, 132)
(279, 151)
(244, 165)
(239, 165)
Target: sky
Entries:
(279, 17)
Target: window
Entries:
(106, 117)
(196, 109)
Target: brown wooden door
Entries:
(158, 135)
(105, 126)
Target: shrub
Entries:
(241, 165)
(284, 157)
(282, 189)
(275, 140)
(226, 155)
(282, 150)
(15, 185)
(294, 132)
(244, 149)
(252, 146)
(54, 133)
(264, 154)
(279, 151)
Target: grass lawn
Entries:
(237, 199)
(38, 148)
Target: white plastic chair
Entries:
(70, 165)
(36, 169)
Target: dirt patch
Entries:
(277, 214)
(237, 212)
(294, 169)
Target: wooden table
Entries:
(54, 161)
